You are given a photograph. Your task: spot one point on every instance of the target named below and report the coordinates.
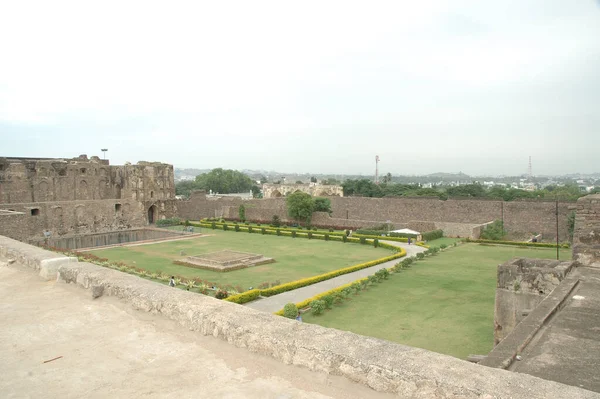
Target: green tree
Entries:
(313, 179)
(467, 190)
(493, 231)
(322, 205)
(186, 187)
(242, 213)
(300, 206)
(224, 181)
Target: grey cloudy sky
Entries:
(321, 87)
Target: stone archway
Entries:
(152, 214)
(276, 194)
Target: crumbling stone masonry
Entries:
(521, 285)
(80, 196)
(586, 237)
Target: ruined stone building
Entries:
(78, 196)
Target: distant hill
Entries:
(454, 176)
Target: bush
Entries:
(432, 235)
(244, 297)
(278, 232)
(493, 231)
(249, 229)
(213, 225)
(237, 227)
(221, 294)
(420, 255)
(262, 230)
(293, 233)
(363, 240)
(344, 238)
(328, 300)
(225, 227)
(168, 222)
(376, 242)
(338, 298)
(275, 221)
(317, 307)
(310, 235)
(443, 246)
(290, 311)
(326, 237)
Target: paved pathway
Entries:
(277, 302)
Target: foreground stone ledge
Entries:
(379, 364)
(36, 258)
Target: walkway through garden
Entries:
(277, 302)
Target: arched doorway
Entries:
(151, 214)
(275, 194)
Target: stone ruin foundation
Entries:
(224, 261)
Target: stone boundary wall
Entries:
(520, 217)
(586, 241)
(504, 354)
(65, 218)
(522, 284)
(70, 217)
(382, 365)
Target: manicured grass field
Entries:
(444, 240)
(444, 303)
(296, 258)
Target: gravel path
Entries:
(277, 302)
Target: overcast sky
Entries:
(313, 86)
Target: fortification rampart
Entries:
(457, 217)
(382, 365)
(81, 196)
(49, 180)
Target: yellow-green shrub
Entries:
(244, 297)
(278, 289)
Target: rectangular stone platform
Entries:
(224, 261)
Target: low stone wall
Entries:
(382, 365)
(504, 354)
(106, 239)
(522, 284)
(586, 238)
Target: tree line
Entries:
(367, 188)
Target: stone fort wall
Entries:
(459, 216)
(42, 180)
(81, 196)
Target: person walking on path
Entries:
(172, 282)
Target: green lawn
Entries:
(444, 240)
(296, 258)
(444, 303)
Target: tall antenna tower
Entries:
(376, 169)
(530, 170)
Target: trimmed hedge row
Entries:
(385, 233)
(521, 243)
(305, 303)
(244, 297)
(278, 289)
(268, 226)
(432, 235)
(397, 239)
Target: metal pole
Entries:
(557, 256)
